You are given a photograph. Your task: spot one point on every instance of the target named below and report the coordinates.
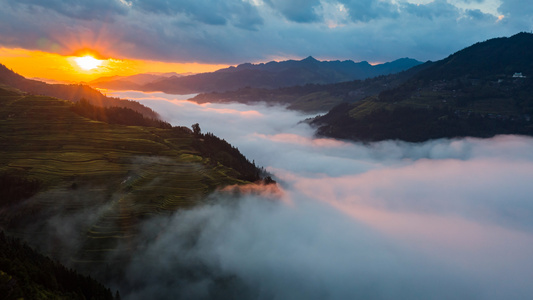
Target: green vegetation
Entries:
(26, 274)
(9, 80)
(65, 161)
(480, 91)
(116, 115)
(14, 188)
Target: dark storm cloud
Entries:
(238, 31)
(515, 9)
(367, 10)
(80, 9)
(479, 15)
(517, 14)
(211, 12)
(301, 11)
(432, 10)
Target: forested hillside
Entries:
(71, 92)
(483, 90)
(27, 274)
(79, 166)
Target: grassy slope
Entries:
(72, 92)
(81, 164)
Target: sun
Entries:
(88, 62)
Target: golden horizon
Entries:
(88, 65)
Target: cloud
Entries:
(515, 9)
(300, 11)
(274, 251)
(517, 15)
(54, 228)
(367, 10)
(479, 15)
(237, 31)
(444, 219)
(432, 10)
(240, 13)
(102, 10)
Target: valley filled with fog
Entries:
(444, 219)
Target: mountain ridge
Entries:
(270, 75)
(71, 92)
(482, 90)
(132, 82)
(312, 98)
(62, 159)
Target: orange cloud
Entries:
(445, 236)
(266, 190)
(247, 113)
(430, 206)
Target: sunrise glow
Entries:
(266, 149)
(88, 62)
(84, 66)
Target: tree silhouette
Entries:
(196, 129)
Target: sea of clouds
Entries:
(444, 219)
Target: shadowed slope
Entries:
(94, 181)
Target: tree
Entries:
(196, 129)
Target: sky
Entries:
(134, 36)
(443, 219)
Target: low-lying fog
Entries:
(445, 219)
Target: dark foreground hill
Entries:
(271, 75)
(77, 188)
(26, 274)
(71, 92)
(483, 90)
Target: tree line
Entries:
(116, 115)
(220, 151)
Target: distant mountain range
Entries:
(71, 92)
(312, 97)
(133, 82)
(483, 90)
(265, 75)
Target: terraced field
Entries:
(111, 176)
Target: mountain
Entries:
(76, 183)
(133, 82)
(480, 91)
(71, 92)
(312, 97)
(276, 74)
